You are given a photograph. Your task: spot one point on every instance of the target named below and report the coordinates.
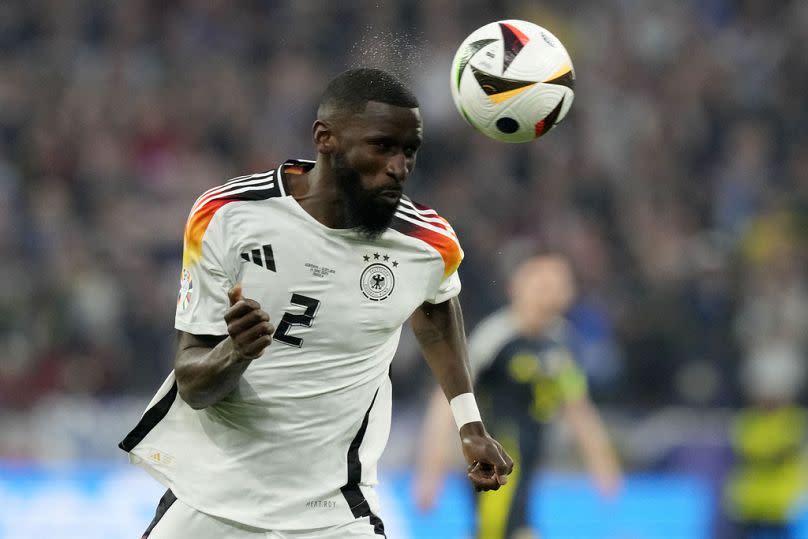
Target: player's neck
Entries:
(317, 193)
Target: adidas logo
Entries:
(262, 257)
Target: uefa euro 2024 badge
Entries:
(186, 288)
(377, 281)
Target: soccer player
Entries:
(294, 288)
(525, 376)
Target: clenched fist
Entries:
(488, 464)
(248, 326)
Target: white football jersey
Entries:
(296, 445)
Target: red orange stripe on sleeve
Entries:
(448, 248)
(425, 224)
(195, 230)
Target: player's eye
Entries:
(382, 145)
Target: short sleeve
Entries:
(424, 223)
(448, 288)
(206, 276)
(447, 245)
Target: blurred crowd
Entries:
(677, 185)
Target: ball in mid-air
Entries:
(512, 80)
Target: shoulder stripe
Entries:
(249, 176)
(422, 211)
(265, 186)
(256, 179)
(426, 225)
(440, 239)
(425, 214)
(437, 219)
(240, 179)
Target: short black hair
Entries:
(351, 90)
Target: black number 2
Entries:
(290, 319)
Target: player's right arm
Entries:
(208, 367)
(220, 332)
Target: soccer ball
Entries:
(512, 80)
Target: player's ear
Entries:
(323, 137)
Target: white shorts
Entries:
(176, 520)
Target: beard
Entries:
(365, 209)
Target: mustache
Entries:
(385, 190)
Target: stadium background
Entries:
(678, 185)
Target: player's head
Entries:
(369, 130)
(540, 288)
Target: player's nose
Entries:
(397, 167)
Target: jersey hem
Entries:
(164, 480)
(441, 298)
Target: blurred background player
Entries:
(526, 376)
(768, 437)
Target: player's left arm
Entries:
(439, 330)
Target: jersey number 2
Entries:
(290, 319)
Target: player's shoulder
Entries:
(259, 186)
(252, 187)
(425, 224)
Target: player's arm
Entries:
(208, 367)
(439, 330)
(590, 436)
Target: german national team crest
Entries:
(186, 287)
(377, 281)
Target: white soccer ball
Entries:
(512, 80)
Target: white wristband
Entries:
(464, 409)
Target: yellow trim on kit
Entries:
(494, 506)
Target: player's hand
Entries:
(248, 326)
(488, 464)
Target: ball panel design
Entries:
(507, 125)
